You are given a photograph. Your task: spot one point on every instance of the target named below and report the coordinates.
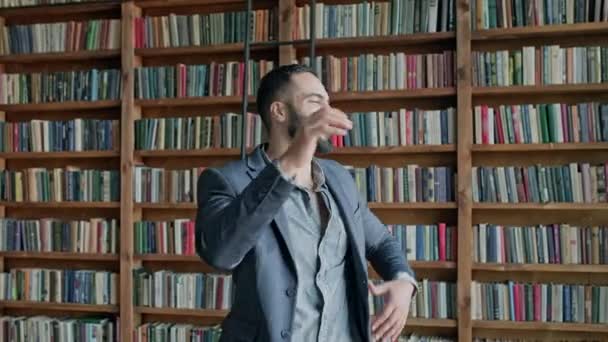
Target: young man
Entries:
(295, 233)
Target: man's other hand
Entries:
(389, 323)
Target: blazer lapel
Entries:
(256, 163)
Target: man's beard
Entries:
(294, 122)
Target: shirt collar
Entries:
(318, 176)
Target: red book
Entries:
(442, 241)
(485, 139)
(516, 122)
(499, 136)
(220, 293)
(537, 303)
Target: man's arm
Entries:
(382, 250)
(228, 224)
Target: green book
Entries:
(544, 125)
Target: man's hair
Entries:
(272, 87)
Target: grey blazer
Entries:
(239, 225)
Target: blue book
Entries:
(566, 305)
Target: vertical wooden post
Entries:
(287, 10)
(464, 160)
(129, 113)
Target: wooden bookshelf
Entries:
(60, 155)
(462, 155)
(60, 256)
(60, 307)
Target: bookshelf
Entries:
(463, 155)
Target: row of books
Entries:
(542, 65)
(26, 3)
(541, 244)
(187, 133)
(400, 128)
(541, 123)
(176, 332)
(95, 235)
(176, 30)
(215, 79)
(434, 299)
(434, 242)
(60, 86)
(574, 182)
(513, 301)
(375, 18)
(411, 183)
(384, 72)
(100, 34)
(158, 185)
(419, 338)
(168, 289)
(46, 329)
(60, 136)
(60, 286)
(174, 237)
(491, 14)
(59, 185)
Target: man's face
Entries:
(308, 95)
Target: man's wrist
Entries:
(407, 277)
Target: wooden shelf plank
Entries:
(151, 257)
(419, 205)
(544, 326)
(59, 57)
(62, 10)
(182, 3)
(541, 90)
(540, 206)
(62, 205)
(192, 101)
(430, 322)
(547, 31)
(540, 268)
(208, 152)
(205, 50)
(60, 155)
(60, 106)
(67, 307)
(349, 43)
(337, 97)
(203, 313)
(414, 149)
(372, 205)
(539, 147)
(383, 95)
(60, 256)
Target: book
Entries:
(541, 183)
(91, 35)
(60, 286)
(540, 244)
(539, 302)
(95, 235)
(60, 136)
(375, 18)
(60, 86)
(169, 289)
(175, 30)
(375, 72)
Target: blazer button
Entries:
(290, 292)
(285, 334)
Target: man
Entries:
(295, 233)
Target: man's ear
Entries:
(278, 112)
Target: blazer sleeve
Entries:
(381, 248)
(228, 223)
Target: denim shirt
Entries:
(317, 241)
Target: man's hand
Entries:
(322, 124)
(397, 297)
